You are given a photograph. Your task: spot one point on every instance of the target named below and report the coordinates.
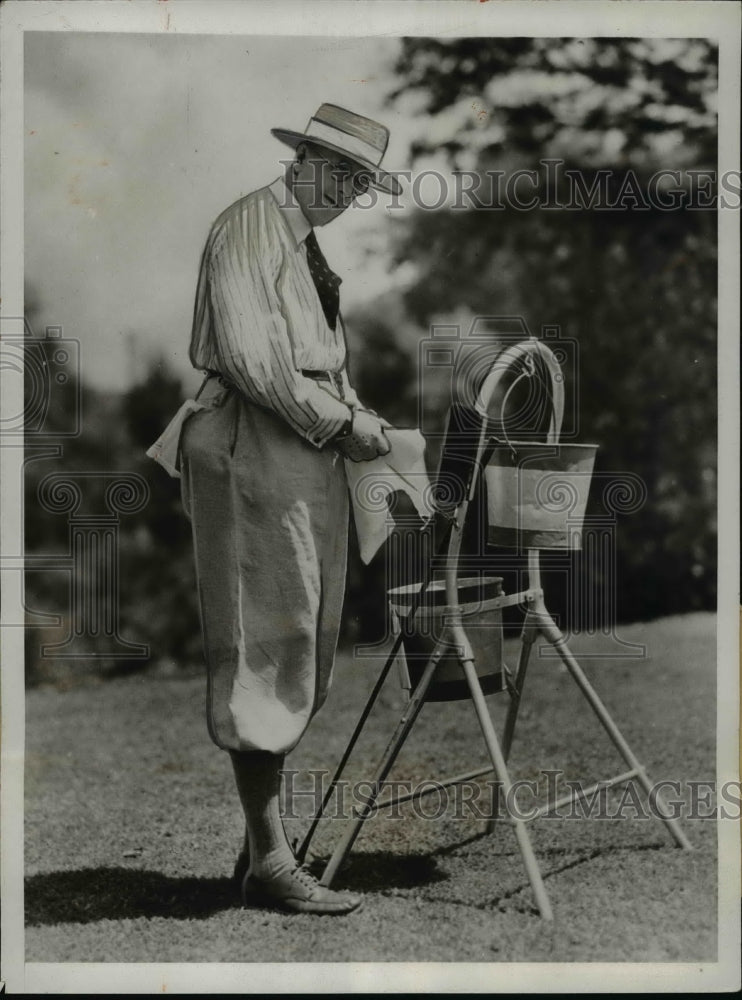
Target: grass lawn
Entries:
(132, 823)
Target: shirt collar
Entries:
(295, 218)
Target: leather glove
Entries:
(366, 439)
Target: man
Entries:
(263, 478)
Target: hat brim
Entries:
(378, 178)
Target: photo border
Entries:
(545, 18)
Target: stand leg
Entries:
(528, 637)
(303, 849)
(390, 754)
(550, 632)
(498, 762)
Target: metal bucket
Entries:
(537, 494)
(482, 621)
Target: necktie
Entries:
(325, 281)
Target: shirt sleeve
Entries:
(350, 395)
(252, 338)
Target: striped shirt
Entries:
(258, 319)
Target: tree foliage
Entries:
(589, 100)
(635, 286)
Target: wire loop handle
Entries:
(524, 354)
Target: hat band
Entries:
(350, 143)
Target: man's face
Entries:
(326, 183)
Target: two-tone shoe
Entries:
(297, 891)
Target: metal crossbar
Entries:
(459, 779)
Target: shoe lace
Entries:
(305, 878)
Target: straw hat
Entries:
(361, 139)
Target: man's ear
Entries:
(301, 152)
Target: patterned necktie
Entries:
(325, 281)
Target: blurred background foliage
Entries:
(635, 289)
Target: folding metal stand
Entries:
(537, 622)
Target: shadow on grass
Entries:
(369, 872)
(375, 872)
(91, 894)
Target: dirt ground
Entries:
(132, 823)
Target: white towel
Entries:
(165, 448)
(370, 483)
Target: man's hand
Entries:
(366, 440)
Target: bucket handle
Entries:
(523, 353)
